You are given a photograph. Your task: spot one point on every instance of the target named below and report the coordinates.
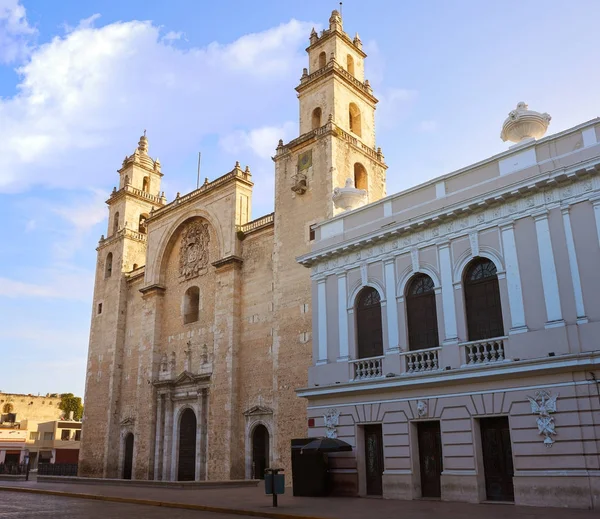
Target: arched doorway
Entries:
(482, 300)
(128, 459)
(187, 447)
(369, 329)
(260, 451)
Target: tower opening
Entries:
(350, 64)
(322, 59)
(361, 178)
(146, 185)
(116, 223)
(316, 118)
(108, 265)
(142, 227)
(354, 119)
(191, 305)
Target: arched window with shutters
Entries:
(369, 328)
(421, 313)
(482, 300)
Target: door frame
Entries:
(362, 458)
(418, 424)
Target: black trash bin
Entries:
(309, 470)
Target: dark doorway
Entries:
(128, 459)
(368, 323)
(260, 451)
(12, 458)
(482, 300)
(497, 459)
(187, 447)
(374, 459)
(430, 458)
(421, 314)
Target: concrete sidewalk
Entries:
(253, 501)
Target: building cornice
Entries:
(493, 371)
(123, 232)
(229, 261)
(129, 190)
(153, 289)
(327, 34)
(496, 207)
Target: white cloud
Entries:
(15, 31)
(261, 141)
(62, 283)
(84, 98)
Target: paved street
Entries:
(26, 506)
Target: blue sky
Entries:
(79, 81)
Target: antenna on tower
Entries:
(341, 10)
(198, 178)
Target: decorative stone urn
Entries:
(524, 124)
(348, 197)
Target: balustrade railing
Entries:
(484, 351)
(366, 369)
(421, 361)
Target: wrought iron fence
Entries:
(57, 469)
(13, 469)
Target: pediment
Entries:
(128, 421)
(185, 378)
(258, 410)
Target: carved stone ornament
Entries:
(421, 408)
(332, 420)
(193, 255)
(522, 124)
(543, 404)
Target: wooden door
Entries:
(421, 314)
(374, 459)
(128, 458)
(369, 324)
(187, 447)
(497, 459)
(430, 458)
(260, 451)
(482, 301)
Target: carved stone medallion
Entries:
(193, 255)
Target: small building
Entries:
(456, 329)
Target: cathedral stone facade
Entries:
(201, 325)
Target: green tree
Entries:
(69, 402)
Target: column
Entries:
(391, 306)
(596, 206)
(322, 321)
(450, 330)
(158, 436)
(574, 267)
(342, 317)
(166, 472)
(548, 268)
(513, 279)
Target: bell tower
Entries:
(335, 153)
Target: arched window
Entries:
(421, 313)
(146, 185)
(368, 324)
(354, 119)
(191, 305)
(116, 223)
(108, 265)
(126, 180)
(482, 300)
(361, 180)
(322, 59)
(142, 228)
(350, 64)
(316, 118)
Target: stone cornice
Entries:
(330, 33)
(123, 232)
(494, 208)
(236, 175)
(332, 68)
(229, 261)
(153, 289)
(129, 190)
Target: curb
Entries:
(166, 504)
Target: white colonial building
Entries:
(456, 328)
